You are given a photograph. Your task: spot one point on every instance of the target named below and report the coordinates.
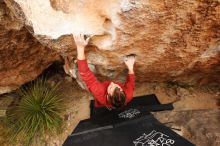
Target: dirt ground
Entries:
(185, 100)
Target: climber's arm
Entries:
(94, 86)
(81, 44)
(87, 76)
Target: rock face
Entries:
(175, 41)
(22, 57)
(201, 127)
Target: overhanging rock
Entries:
(175, 41)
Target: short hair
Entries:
(118, 98)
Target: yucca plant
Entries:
(37, 112)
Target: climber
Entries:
(107, 93)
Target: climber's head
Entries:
(116, 96)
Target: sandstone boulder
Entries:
(22, 57)
(175, 41)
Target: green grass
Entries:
(37, 113)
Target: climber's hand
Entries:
(80, 41)
(129, 61)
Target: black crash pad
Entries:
(143, 131)
(113, 118)
(132, 125)
(148, 102)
